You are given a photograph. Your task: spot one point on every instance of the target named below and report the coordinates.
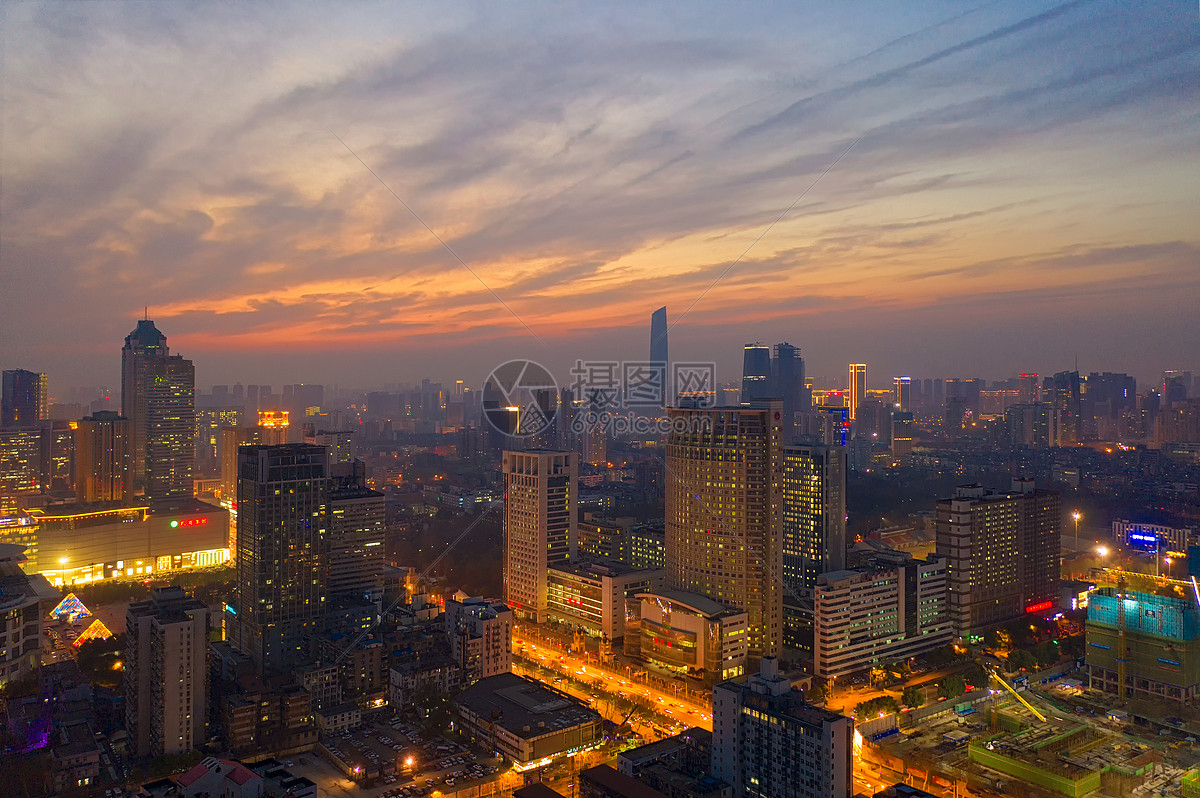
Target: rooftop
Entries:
(525, 707)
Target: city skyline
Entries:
(1011, 173)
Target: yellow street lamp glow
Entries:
(62, 560)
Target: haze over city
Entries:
(1010, 186)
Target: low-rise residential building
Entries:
(893, 608)
(332, 720)
(526, 722)
(480, 635)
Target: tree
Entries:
(1021, 660)
(942, 656)
(818, 693)
(952, 687)
(912, 697)
(1046, 654)
(874, 706)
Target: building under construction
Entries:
(1145, 633)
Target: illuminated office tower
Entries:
(143, 347)
(282, 550)
(273, 426)
(166, 673)
(102, 458)
(722, 513)
(539, 527)
(902, 394)
(658, 351)
(22, 474)
(856, 388)
(23, 400)
(812, 507)
(1003, 553)
(902, 434)
(170, 417)
(756, 373)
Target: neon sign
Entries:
(1040, 606)
(189, 522)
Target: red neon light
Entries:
(193, 522)
(1040, 607)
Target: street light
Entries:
(1077, 515)
(1102, 551)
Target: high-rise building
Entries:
(659, 356)
(756, 373)
(540, 526)
(282, 549)
(856, 388)
(339, 443)
(23, 399)
(166, 673)
(902, 394)
(144, 346)
(722, 513)
(1063, 393)
(357, 554)
(170, 418)
(1176, 386)
(812, 507)
(890, 608)
(788, 384)
(102, 457)
(23, 469)
(768, 743)
(1003, 553)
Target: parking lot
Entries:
(392, 751)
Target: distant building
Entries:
(166, 688)
(603, 781)
(526, 722)
(756, 373)
(902, 394)
(768, 743)
(24, 600)
(659, 353)
(856, 388)
(677, 766)
(23, 471)
(1003, 553)
(356, 530)
(539, 526)
(144, 347)
(892, 610)
(23, 398)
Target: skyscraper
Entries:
(170, 422)
(787, 383)
(767, 742)
(812, 505)
(856, 388)
(357, 525)
(282, 548)
(143, 347)
(756, 373)
(102, 458)
(1029, 388)
(540, 526)
(166, 673)
(659, 359)
(23, 399)
(722, 513)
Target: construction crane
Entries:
(1016, 695)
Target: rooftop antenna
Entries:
(146, 312)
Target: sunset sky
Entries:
(1024, 190)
